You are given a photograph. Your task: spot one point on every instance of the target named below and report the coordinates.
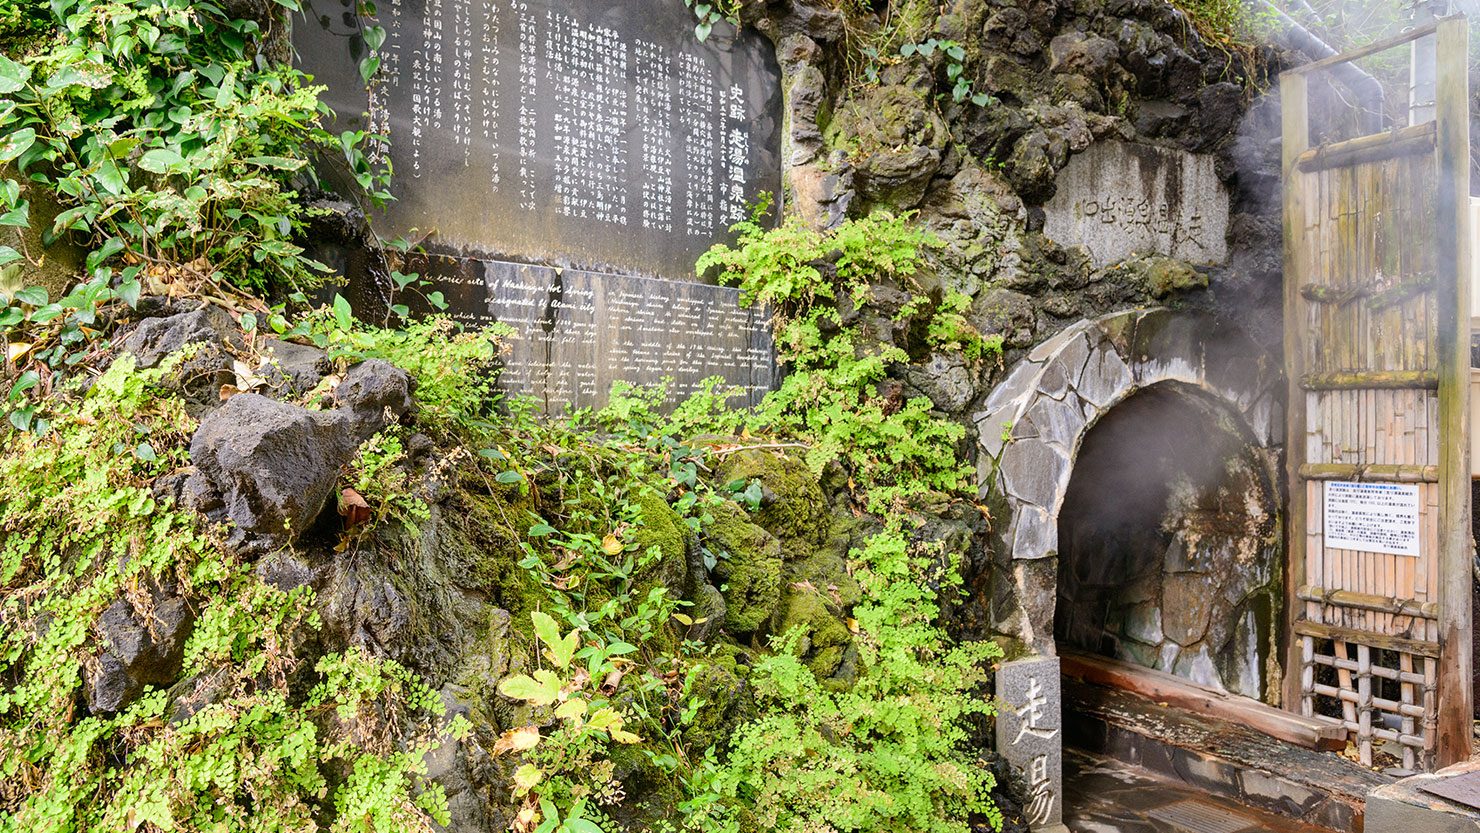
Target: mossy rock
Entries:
(1161, 276)
(728, 702)
(481, 547)
(665, 529)
(824, 637)
(792, 505)
(827, 571)
(749, 568)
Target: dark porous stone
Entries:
(945, 380)
(904, 140)
(293, 369)
(138, 650)
(1031, 167)
(374, 393)
(1160, 118)
(155, 338)
(1012, 30)
(198, 379)
(1079, 90)
(1091, 56)
(1222, 107)
(1006, 313)
(267, 467)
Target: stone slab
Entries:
(1119, 198)
(1030, 736)
(577, 332)
(1405, 807)
(595, 135)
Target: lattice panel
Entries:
(1380, 694)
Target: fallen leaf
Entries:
(16, 349)
(354, 508)
(517, 740)
(228, 391)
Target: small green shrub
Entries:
(172, 147)
(81, 528)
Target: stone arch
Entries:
(1035, 420)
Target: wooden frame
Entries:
(1377, 335)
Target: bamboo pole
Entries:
(1295, 127)
(1453, 347)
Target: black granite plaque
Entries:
(576, 332)
(571, 132)
(600, 139)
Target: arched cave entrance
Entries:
(1169, 548)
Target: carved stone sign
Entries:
(1118, 199)
(577, 332)
(569, 132)
(1030, 737)
(596, 138)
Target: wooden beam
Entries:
(1376, 640)
(1419, 138)
(1160, 687)
(1452, 115)
(1295, 128)
(1372, 380)
(1367, 601)
(1372, 48)
(1375, 473)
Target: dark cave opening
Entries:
(1169, 545)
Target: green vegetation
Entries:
(827, 696)
(241, 748)
(168, 142)
(828, 395)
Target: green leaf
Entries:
(280, 163)
(540, 690)
(582, 826)
(34, 295)
(368, 68)
(27, 380)
(160, 160)
(9, 255)
(71, 218)
(618, 648)
(374, 37)
(13, 76)
(541, 529)
(16, 143)
(111, 177)
(561, 648)
(507, 477)
(20, 216)
(343, 315)
(128, 292)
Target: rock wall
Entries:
(1070, 82)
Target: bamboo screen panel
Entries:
(1377, 351)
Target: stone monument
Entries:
(1118, 199)
(564, 163)
(1030, 736)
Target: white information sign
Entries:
(1372, 517)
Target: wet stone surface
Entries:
(1105, 796)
